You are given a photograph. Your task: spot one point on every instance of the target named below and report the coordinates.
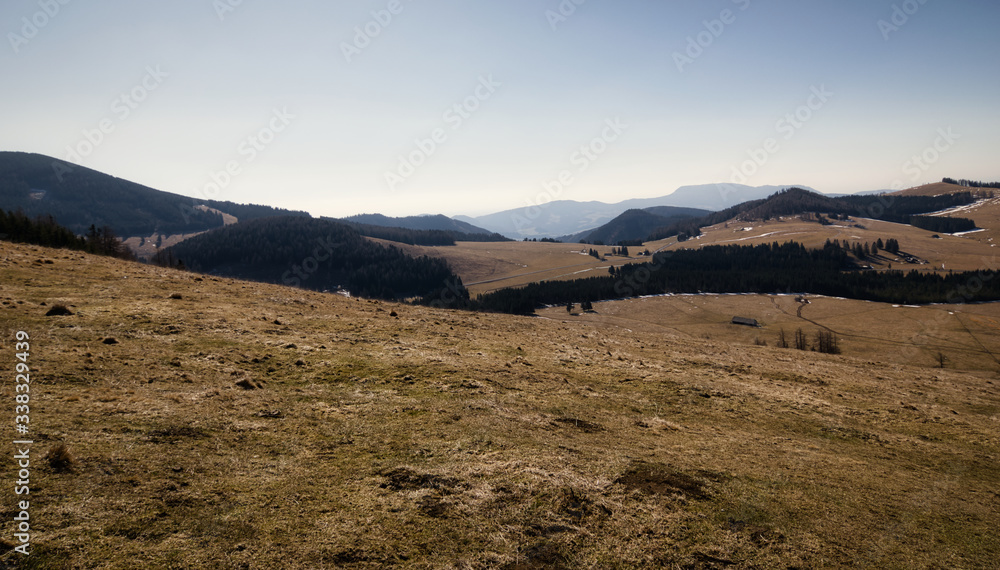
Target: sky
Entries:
(407, 107)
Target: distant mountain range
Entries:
(569, 218)
(78, 197)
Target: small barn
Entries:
(745, 321)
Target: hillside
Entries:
(79, 197)
(236, 424)
(418, 230)
(636, 225)
(486, 267)
(925, 252)
(436, 222)
(569, 217)
(316, 254)
(967, 335)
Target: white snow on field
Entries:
(965, 208)
(969, 232)
(782, 232)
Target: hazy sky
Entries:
(467, 107)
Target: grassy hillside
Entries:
(486, 267)
(967, 335)
(243, 425)
(960, 253)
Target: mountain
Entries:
(796, 201)
(715, 197)
(636, 225)
(436, 222)
(569, 217)
(78, 197)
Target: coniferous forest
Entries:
(794, 201)
(44, 231)
(767, 269)
(421, 237)
(322, 255)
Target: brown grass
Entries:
(946, 252)
(486, 267)
(968, 335)
(452, 440)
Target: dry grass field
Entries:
(240, 425)
(959, 253)
(968, 336)
(486, 267)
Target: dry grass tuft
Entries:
(60, 459)
(58, 311)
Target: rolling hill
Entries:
(430, 222)
(636, 225)
(321, 255)
(569, 217)
(79, 197)
(201, 422)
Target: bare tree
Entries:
(782, 339)
(827, 343)
(800, 340)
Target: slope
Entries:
(543, 218)
(636, 225)
(435, 222)
(317, 254)
(235, 424)
(79, 197)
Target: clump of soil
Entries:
(659, 479)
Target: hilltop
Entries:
(430, 222)
(569, 217)
(79, 197)
(211, 422)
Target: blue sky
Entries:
(286, 104)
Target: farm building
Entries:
(745, 322)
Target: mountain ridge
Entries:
(570, 217)
(78, 197)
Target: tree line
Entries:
(970, 183)
(322, 255)
(43, 230)
(774, 268)
(795, 201)
(421, 237)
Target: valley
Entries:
(184, 419)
